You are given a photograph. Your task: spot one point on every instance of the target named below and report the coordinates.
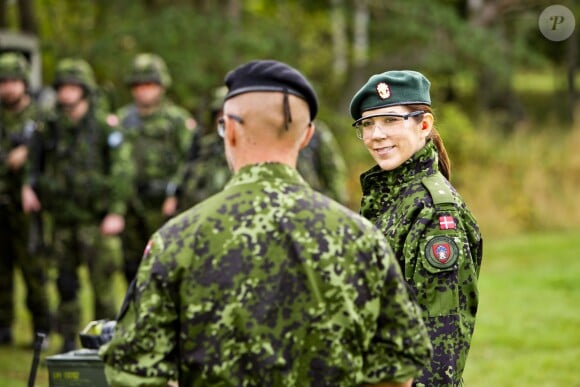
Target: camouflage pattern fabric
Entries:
(16, 129)
(159, 143)
(322, 165)
(267, 283)
(73, 172)
(205, 174)
(439, 247)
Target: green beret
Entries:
(400, 87)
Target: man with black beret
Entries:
(267, 282)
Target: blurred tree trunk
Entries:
(361, 35)
(234, 12)
(339, 39)
(3, 18)
(360, 48)
(27, 15)
(494, 89)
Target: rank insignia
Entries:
(383, 90)
(441, 252)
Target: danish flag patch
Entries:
(446, 222)
(148, 248)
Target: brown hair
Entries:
(444, 162)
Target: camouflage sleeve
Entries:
(332, 165)
(142, 351)
(443, 270)
(33, 165)
(122, 171)
(185, 128)
(401, 346)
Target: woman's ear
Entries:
(427, 124)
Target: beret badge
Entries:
(383, 90)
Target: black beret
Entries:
(398, 87)
(271, 75)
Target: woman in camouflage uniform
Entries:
(408, 196)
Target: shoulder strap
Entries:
(438, 188)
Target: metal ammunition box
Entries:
(78, 368)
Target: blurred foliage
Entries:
(202, 40)
(500, 90)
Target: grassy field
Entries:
(528, 330)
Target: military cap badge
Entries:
(383, 90)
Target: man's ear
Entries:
(231, 135)
(307, 135)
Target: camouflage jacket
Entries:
(206, 173)
(267, 283)
(15, 129)
(75, 168)
(439, 247)
(159, 143)
(322, 165)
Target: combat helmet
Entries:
(76, 72)
(13, 65)
(149, 68)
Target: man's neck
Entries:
(78, 111)
(264, 155)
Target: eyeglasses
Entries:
(221, 124)
(365, 125)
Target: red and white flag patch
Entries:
(446, 222)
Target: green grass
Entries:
(16, 361)
(528, 328)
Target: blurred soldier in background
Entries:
(159, 134)
(321, 163)
(74, 173)
(206, 171)
(18, 118)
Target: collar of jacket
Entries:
(270, 171)
(422, 163)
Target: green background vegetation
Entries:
(505, 103)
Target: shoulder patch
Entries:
(112, 120)
(115, 139)
(441, 252)
(438, 189)
(148, 248)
